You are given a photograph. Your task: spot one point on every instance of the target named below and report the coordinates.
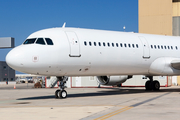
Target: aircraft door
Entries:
(74, 44)
(146, 51)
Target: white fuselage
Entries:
(74, 53)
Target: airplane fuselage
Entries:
(88, 52)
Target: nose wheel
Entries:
(61, 93)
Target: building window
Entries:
(4, 67)
(176, 0)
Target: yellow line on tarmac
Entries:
(113, 113)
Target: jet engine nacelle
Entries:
(112, 80)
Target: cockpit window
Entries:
(40, 41)
(30, 41)
(49, 41)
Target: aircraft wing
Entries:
(175, 64)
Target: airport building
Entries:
(7, 74)
(160, 17)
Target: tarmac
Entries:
(28, 103)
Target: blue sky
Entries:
(20, 18)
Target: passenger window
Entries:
(90, 43)
(99, 44)
(113, 44)
(30, 41)
(155, 46)
(117, 44)
(165, 47)
(137, 45)
(104, 44)
(176, 48)
(152, 46)
(40, 41)
(49, 41)
(94, 43)
(121, 44)
(158, 47)
(172, 47)
(85, 43)
(133, 45)
(129, 45)
(124, 45)
(161, 47)
(168, 47)
(108, 44)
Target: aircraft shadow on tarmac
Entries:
(104, 93)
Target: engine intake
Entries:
(112, 80)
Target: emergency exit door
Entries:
(74, 44)
(145, 45)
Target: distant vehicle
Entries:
(112, 56)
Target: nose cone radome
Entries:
(14, 58)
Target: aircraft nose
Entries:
(14, 58)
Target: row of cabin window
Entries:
(112, 44)
(163, 47)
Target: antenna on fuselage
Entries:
(64, 25)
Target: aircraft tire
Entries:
(63, 94)
(155, 85)
(148, 85)
(57, 93)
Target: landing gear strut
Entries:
(152, 85)
(61, 93)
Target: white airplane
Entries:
(112, 56)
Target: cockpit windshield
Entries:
(49, 41)
(30, 41)
(41, 41)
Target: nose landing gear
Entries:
(61, 93)
(152, 85)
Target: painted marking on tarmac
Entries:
(113, 113)
(127, 108)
